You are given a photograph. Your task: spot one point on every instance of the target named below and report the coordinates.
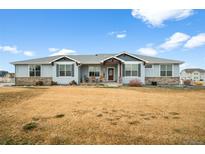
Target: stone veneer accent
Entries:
(162, 80)
(31, 81)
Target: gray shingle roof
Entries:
(157, 60)
(190, 70)
(93, 59)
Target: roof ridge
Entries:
(94, 58)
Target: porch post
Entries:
(120, 77)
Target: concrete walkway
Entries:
(112, 84)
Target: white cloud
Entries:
(63, 52)
(119, 35)
(15, 50)
(28, 53)
(147, 51)
(10, 49)
(157, 17)
(53, 49)
(196, 41)
(174, 41)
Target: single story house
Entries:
(120, 68)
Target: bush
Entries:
(39, 83)
(53, 83)
(72, 83)
(198, 83)
(135, 83)
(154, 83)
(187, 82)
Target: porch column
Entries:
(120, 72)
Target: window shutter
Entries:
(73, 70)
(57, 70)
(123, 70)
(139, 70)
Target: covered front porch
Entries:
(109, 71)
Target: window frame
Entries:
(34, 70)
(96, 72)
(131, 69)
(166, 71)
(65, 71)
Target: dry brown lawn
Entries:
(91, 115)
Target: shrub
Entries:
(39, 83)
(198, 83)
(154, 83)
(187, 82)
(135, 83)
(29, 126)
(72, 83)
(53, 83)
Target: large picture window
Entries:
(132, 69)
(65, 70)
(166, 70)
(94, 71)
(35, 70)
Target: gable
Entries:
(112, 60)
(63, 59)
(127, 57)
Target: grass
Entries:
(90, 115)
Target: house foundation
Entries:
(162, 80)
(31, 81)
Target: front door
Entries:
(110, 74)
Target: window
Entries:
(65, 70)
(148, 66)
(166, 70)
(128, 70)
(94, 71)
(195, 73)
(35, 70)
(132, 69)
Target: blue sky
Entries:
(174, 34)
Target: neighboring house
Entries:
(3, 73)
(6, 77)
(121, 68)
(194, 74)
